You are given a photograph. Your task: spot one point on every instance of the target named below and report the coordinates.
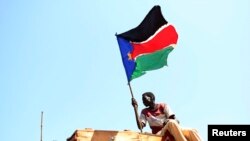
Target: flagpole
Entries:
(135, 109)
(41, 139)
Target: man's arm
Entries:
(169, 114)
(135, 105)
(172, 117)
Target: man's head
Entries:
(148, 99)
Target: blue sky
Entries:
(61, 57)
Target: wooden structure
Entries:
(89, 134)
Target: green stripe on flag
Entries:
(152, 61)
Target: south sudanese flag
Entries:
(147, 46)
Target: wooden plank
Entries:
(109, 135)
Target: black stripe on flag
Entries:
(151, 23)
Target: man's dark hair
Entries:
(150, 94)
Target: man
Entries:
(161, 119)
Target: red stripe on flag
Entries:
(163, 38)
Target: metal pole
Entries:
(42, 126)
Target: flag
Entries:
(147, 46)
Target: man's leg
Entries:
(191, 134)
(175, 130)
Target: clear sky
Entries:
(61, 57)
